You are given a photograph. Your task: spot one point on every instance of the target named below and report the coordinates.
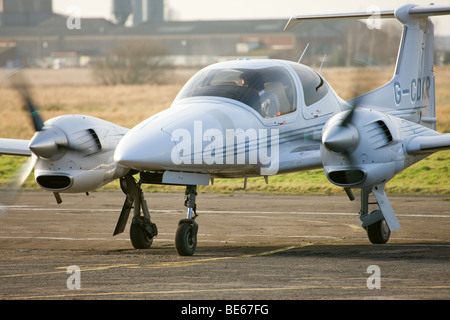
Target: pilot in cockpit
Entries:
(270, 104)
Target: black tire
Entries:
(186, 239)
(378, 232)
(139, 237)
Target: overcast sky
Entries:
(251, 9)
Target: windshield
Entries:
(269, 91)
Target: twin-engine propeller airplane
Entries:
(250, 118)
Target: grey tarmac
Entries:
(251, 246)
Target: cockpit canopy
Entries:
(268, 88)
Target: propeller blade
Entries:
(9, 194)
(342, 137)
(46, 142)
(38, 123)
(22, 87)
(23, 173)
(349, 117)
(357, 99)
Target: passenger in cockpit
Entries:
(270, 104)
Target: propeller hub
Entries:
(340, 139)
(46, 143)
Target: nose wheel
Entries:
(186, 235)
(379, 232)
(375, 224)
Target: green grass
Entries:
(9, 165)
(429, 176)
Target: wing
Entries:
(418, 11)
(344, 15)
(429, 144)
(14, 147)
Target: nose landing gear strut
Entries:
(186, 235)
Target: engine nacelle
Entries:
(80, 157)
(363, 152)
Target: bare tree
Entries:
(132, 63)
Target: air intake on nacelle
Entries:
(88, 142)
(379, 134)
(54, 182)
(347, 177)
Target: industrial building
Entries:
(32, 35)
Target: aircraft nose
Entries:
(186, 137)
(144, 149)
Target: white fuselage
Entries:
(214, 127)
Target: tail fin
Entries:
(410, 94)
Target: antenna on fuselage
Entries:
(323, 60)
(304, 51)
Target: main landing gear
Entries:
(376, 226)
(143, 230)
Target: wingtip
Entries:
(291, 23)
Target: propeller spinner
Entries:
(340, 139)
(339, 135)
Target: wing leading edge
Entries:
(14, 147)
(429, 144)
(418, 11)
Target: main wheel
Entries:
(186, 238)
(378, 232)
(139, 237)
